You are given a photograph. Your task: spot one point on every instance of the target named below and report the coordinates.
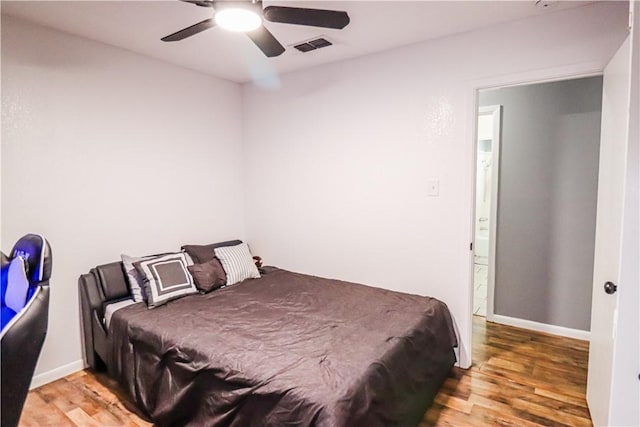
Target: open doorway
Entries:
(487, 174)
(536, 196)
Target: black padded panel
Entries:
(23, 337)
(3, 275)
(101, 344)
(91, 291)
(5, 261)
(91, 298)
(112, 280)
(21, 347)
(36, 251)
(223, 244)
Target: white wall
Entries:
(339, 157)
(107, 152)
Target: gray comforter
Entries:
(285, 350)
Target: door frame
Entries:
(574, 71)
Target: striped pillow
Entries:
(237, 263)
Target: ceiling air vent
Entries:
(313, 45)
(546, 4)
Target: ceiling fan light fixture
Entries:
(238, 20)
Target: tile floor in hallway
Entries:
(480, 275)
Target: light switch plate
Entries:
(433, 188)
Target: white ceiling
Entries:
(375, 26)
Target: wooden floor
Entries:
(85, 398)
(519, 378)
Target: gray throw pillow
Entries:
(133, 277)
(208, 275)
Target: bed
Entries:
(285, 349)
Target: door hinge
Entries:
(471, 246)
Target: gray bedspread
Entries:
(285, 350)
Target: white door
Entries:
(611, 182)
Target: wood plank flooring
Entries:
(519, 378)
(86, 398)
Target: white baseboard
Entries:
(541, 327)
(56, 374)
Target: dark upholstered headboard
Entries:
(107, 282)
(103, 283)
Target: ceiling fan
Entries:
(247, 16)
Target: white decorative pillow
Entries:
(165, 278)
(237, 263)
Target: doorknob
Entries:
(610, 288)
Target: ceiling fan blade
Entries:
(311, 17)
(189, 31)
(203, 3)
(266, 42)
